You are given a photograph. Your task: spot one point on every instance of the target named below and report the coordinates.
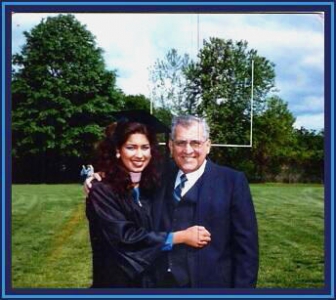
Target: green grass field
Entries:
(50, 242)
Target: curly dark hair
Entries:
(116, 135)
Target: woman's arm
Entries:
(135, 247)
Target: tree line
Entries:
(63, 96)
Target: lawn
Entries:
(50, 242)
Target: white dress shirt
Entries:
(192, 178)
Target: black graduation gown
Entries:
(123, 245)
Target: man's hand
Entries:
(87, 183)
(195, 236)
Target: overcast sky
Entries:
(133, 42)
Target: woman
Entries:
(118, 208)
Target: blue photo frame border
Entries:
(328, 292)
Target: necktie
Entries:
(178, 189)
(136, 195)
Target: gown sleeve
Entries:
(134, 248)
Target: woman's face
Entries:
(135, 153)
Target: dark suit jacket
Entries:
(224, 206)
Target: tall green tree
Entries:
(307, 163)
(219, 87)
(168, 82)
(62, 95)
(274, 139)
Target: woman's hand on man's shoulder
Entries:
(89, 180)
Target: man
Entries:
(215, 197)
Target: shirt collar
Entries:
(192, 176)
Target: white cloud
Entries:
(314, 60)
(265, 32)
(131, 44)
(314, 121)
(308, 104)
(29, 19)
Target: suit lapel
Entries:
(205, 191)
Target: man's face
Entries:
(189, 147)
